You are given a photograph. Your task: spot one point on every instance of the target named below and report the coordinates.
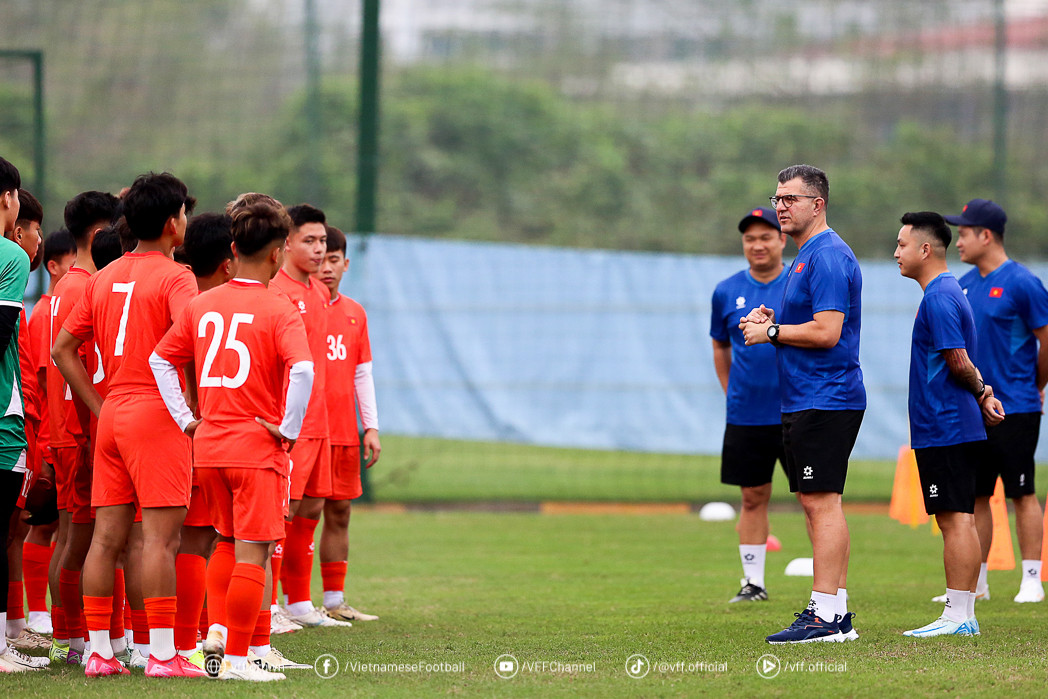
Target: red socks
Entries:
(72, 603)
(262, 628)
(35, 561)
(298, 559)
(190, 579)
(334, 575)
(243, 599)
(116, 618)
(219, 570)
(276, 563)
(97, 612)
(140, 626)
(15, 592)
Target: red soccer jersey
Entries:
(68, 415)
(347, 346)
(127, 307)
(243, 339)
(30, 399)
(311, 302)
(40, 342)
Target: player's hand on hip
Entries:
(274, 431)
(191, 428)
(371, 446)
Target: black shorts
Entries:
(1008, 453)
(749, 454)
(948, 476)
(818, 444)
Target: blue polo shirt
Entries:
(753, 384)
(824, 277)
(1008, 304)
(942, 411)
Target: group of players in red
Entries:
(194, 385)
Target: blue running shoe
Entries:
(808, 628)
(973, 626)
(848, 632)
(941, 627)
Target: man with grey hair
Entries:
(816, 331)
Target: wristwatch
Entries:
(773, 333)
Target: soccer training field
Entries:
(572, 597)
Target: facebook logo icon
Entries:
(326, 666)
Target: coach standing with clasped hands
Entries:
(823, 397)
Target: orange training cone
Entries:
(907, 503)
(1002, 554)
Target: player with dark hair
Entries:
(142, 459)
(208, 249)
(753, 433)
(1010, 306)
(85, 215)
(27, 228)
(106, 247)
(816, 331)
(14, 274)
(350, 386)
(947, 410)
(311, 471)
(244, 426)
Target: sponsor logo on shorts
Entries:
(808, 473)
(933, 491)
(1022, 479)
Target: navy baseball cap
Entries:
(980, 213)
(761, 213)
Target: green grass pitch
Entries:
(466, 587)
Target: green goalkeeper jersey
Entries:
(14, 275)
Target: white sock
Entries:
(1031, 571)
(129, 638)
(300, 608)
(334, 598)
(970, 610)
(956, 608)
(752, 556)
(842, 602)
(274, 608)
(824, 604)
(162, 643)
(77, 644)
(261, 651)
(982, 584)
(100, 643)
(219, 629)
(143, 650)
(118, 644)
(15, 627)
(239, 662)
(3, 623)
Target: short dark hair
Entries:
(106, 246)
(152, 200)
(812, 177)
(931, 224)
(30, 209)
(128, 241)
(58, 244)
(88, 208)
(207, 244)
(301, 214)
(255, 226)
(9, 178)
(336, 240)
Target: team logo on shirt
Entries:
(301, 306)
(799, 268)
(996, 292)
(740, 302)
(933, 491)
(808, 473)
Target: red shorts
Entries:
(73, 476)
(141, 456)
(247, 504)
(345, 473)
(311, 469)
(198, 515)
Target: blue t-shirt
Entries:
(824, 277)
(753, 384)
(942, 411)
(1008, 304)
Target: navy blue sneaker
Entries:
(808, 628)
(848, 632)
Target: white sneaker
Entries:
(29, 640)
(344, 612)
(40, 622)
(941, 627)
(982, 595)
(274, 661)
(314, 618)
(250, 672)
(1030, 591)
(280, 622)
(138, 660)
(14, 660)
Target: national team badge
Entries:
(799, 268)
(996, 292)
